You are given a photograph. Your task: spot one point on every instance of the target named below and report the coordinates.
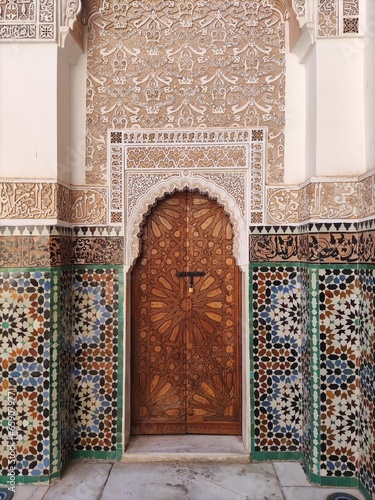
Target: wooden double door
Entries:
(186, 342)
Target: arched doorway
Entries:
(186, 319)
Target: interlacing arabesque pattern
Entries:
(49, 200)
(165, 65)
(321, 200)
(28, 20)
(338, 17)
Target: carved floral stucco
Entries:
(185, 65)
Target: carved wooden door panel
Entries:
(186, 345)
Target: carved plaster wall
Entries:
(28, 20)
(25, 201)
(322, 199)
(337, 17)
(159, 65)
(227, 164)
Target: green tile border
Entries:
(251, 359)
(26, 479)
(339, 481)
(362, 488)
(264, 456)
(121, 363)
(96, 455)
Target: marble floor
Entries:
(95, 480)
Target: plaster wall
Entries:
(310, 159)
(295, 121)
(369, 81)
(340, 133)
(28, 81)
(63, 118)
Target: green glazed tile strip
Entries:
(97, 455)
(120, 378)
(365, 492)
(26, 479)
(262, 456)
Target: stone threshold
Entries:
(186, 448)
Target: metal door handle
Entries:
(191, 275)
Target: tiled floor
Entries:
(93, 480)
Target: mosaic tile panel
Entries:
(26, 335)
(306, 412)
(96, 363)
(315, 373)
(66, 364)
(366, 459)
(339, 390)
(54, 420)
(276, 358)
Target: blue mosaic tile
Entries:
(276, 352)
(26, 339)
(96, 304)
(339, 395)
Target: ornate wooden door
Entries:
(186, 345)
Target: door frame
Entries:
(240, 253)
(137, 178)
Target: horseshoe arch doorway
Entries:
(186, 346)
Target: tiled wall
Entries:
(312, 326)
(97, 343)
(312, 348)
(66, 362)
(276, 346)
(30, 290)
(97, 381)
(366, 463)
(61, 340)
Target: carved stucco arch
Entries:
(180, 183)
